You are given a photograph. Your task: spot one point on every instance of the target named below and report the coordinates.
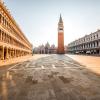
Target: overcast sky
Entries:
(38, 19)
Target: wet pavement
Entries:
(55, 77)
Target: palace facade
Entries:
(13, 42)
(89, 44)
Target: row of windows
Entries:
(88, 38)
(85, 39)
(85, 46)
(8, 39)
(9, 27)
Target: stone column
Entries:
(3, 53)
(15, 53)
(18, 53)
(7, 53)
(10, 53)
(22, 53)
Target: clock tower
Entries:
(60, 49)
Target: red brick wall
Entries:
(61, 42)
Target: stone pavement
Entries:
(20, 59)
(91, 62)
(54, 77)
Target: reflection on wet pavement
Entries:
(56, 77)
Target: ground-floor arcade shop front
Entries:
(8, 52)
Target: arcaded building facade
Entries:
(89, 44)
(13, 42)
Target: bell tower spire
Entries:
(60, 19)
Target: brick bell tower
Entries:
(60, 49)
